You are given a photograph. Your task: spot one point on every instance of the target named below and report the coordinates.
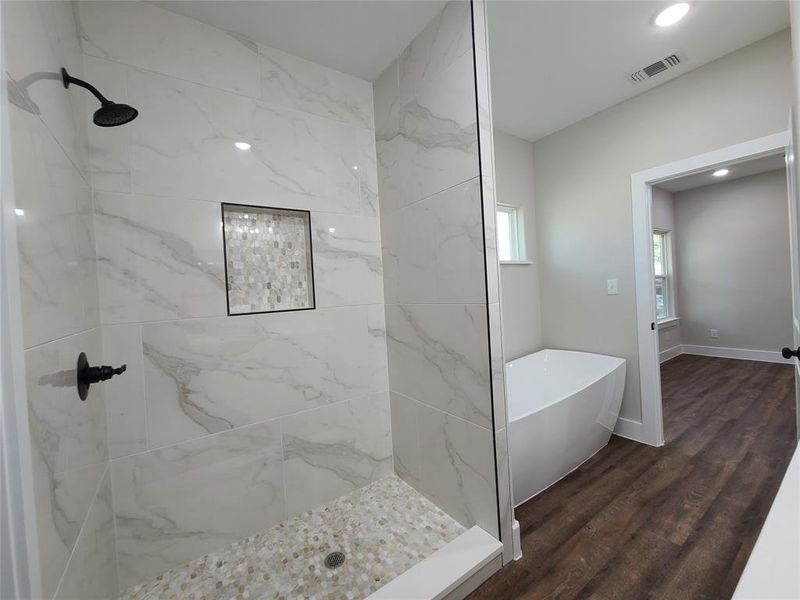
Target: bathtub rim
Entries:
(623, 362)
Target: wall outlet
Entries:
(612, 285)
(714, 333)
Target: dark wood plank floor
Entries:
(676, 522)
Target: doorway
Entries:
(657, 296)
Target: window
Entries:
(662, 268)
(510, 245)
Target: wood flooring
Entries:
(676, 522)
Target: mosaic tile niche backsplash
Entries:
(267, 259)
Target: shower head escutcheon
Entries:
(110, 114)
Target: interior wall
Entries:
(733, 260)
(224, 426)
(519, 283)
(663, 216)
(583, 189)
(434, 278)
(60, 317)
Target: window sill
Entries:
(668, 322)
(515, 262)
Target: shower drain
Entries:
(334, 560)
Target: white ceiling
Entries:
(353, 36)
(755, 166)
(555, 63)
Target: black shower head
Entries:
(113, 114)
(110, 114)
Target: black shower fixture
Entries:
(110, 114)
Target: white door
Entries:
(793, 187)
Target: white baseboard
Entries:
(737, 353)
(665, 355)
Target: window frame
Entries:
(668, 277)
(516, 234)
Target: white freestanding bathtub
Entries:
(562, 408)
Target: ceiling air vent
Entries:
(643, 74)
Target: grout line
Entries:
(317, 310)
(437, 409)
(78, 539)
(63, 338)
(389, 213)
(253, 424)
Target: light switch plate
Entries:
(613, 287)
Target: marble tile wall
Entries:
(298, 400)
(60, 313)
(435, 255)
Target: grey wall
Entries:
(60, 312)
(663, 215)
(733, 263)
(583, 189)
(522, 333)
(434, 281)
(224, 426)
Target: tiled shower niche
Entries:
(268, 262)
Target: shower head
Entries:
(113, 114)
(110, 114)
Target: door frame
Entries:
(651, 428)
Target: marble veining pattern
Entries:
(69, 453)
(384, 529)
(176, 503)
(268, 259)
(208, 375)
(433, 249)
(438, 355)
(296, 83)
(333, 450)
(158, 260)
(92, 570)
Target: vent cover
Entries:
(645, 73)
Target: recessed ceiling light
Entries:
(19, 212)
(242, 145)
(721, 172)
(672, 14)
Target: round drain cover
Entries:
(334, 560)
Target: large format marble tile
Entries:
(92, 570)
(438, 354)
(40, 38)
(177, 503)
(429, 142)
(54, 235)
(443, 41)
(68, 443)
(159, 260)
(405, 438)
(183, 146)
(127, 422)
(433, 249)
(458, 470)
(293, 82)
(333, 450)
(149, 37)
(208, 375)
(347, 260)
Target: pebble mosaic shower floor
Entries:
(384, 529)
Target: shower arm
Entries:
(68, 79)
